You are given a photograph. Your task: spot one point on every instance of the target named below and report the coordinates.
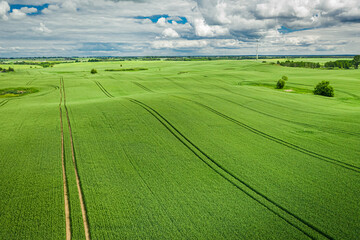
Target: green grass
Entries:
(184, 150)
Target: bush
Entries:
(323, 88)
(280, 84)
(93, 71)
(285, 78)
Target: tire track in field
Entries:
(143, 87)
(66, 192)
(2, 103)
(278, 140)
(287, 120)
(30, 82)
(77, 177)
(240, 184)
(103, 89)
(269, 102)
(264, 113)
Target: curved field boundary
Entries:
(142, 86)
(3, 103)
(77, 177)
(278, 140)
(103, 89)
(66, 192)
(292, 219)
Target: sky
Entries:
(35, 28)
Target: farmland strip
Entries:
(278, 140)
(77, 177)
(153, 194)
(142, 86)
(103, 89)
(66, 193)
(236, 181)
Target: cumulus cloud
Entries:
(170, 33)
(4, 9)
(191, 27)
(244, 18)
(28, 10)
(161, 22)
(42, 29)
(179, 44)
(204, 30)
(17, 14)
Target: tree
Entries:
(93, 71)
(285, 78)
(323, 88)
(280, 84)
(356, 61)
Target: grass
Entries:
(215, 153)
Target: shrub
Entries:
(93, 71)
(323, 88)
(285, 78)
(280, 84)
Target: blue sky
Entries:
(178, 27)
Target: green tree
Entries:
(356, 61)
(93, 71)
(323, 88)
(280, 84)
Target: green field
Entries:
(179, 150)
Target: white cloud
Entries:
(17, 14)
(42, 29)
(252, 19)
(105, 27)
(179, 44)
(28, 10)
(204, 30)
(170, 33)
(4, 9)
(161, 22)
(69, 5)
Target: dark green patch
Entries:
(126, 69)
(269, 85)
(16, 92)
(182, 72)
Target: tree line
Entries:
(341, 64)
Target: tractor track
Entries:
(77, 177)
(278, 140)
(66, 192)
(103, 89)
(143, 87)
(240, 184)
(2, 103)
(286, 120)
(269, 102)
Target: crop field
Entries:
(178, 150)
